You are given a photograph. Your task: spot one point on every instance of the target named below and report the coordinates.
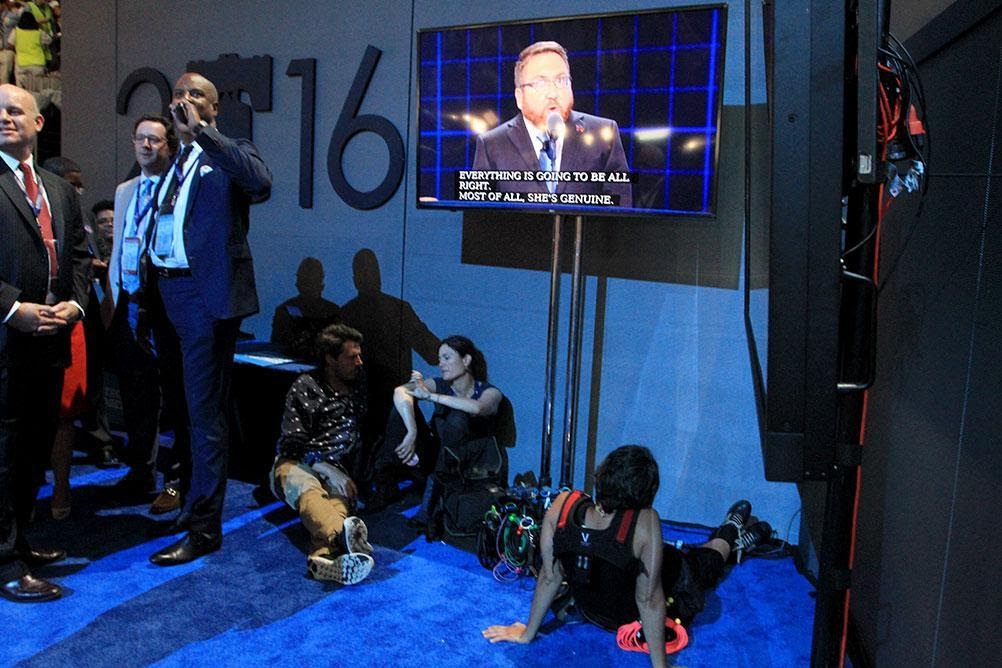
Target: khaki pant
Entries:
(321, 511)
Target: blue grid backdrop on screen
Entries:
(657, 74)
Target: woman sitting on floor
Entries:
(463, 421)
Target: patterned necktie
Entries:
(142, 203)
(130, 279)
(547, 158)
(42, 216)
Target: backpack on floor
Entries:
(471, 483)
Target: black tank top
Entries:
(599, 564)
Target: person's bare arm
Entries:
(403, 402)
(486, 404)
(650, 596)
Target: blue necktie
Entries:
(145, 186)
(547, 158)
(130, 281)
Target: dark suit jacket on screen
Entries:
(508, 146)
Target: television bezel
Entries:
(616, 211)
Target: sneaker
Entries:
(356, 536)
(752, 536)
(347, 569)
(738, 514)
(734, 522)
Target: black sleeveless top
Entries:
(599, 564)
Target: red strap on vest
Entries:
(624, 526)
(566, 510)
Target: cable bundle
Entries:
(507, 540)
(630, 637)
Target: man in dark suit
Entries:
(199, 263)
(549, 135)
(44, 283)
(133, 357)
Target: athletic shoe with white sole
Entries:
(347, 569)
(356, 536)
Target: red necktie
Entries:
(42, 215)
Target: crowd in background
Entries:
(32, 38)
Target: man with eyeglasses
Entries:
(549, 136)
(201, 267)
(144, 370)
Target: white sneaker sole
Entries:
(346, 569)
(356, 536)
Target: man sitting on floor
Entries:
(611, 554)
(318, 450)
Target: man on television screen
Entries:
(549, 136)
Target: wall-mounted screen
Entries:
(615, 114)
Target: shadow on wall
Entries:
(391, 331)
(390, 328)
(298, 320)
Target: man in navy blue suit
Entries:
(548, 135)
(199, 262)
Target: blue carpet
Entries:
(424, 604)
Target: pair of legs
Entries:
(135, 364)
(206, 345)
(29, 408)
(73, 404)
(387, 467)
(687, 575)
(339, 548)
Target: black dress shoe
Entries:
(189, 548)
(34, 556)
(178, 525)
(29, 589)
(105, 458)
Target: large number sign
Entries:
(234, 76)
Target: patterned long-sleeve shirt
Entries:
(321, 424)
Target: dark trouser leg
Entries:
(207, 347)
(178, 464)
(95, 421)
(136, 368)
(29, 409)
(687, 576)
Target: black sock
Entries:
(727, 532)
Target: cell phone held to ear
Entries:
(180, 113)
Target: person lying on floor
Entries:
(610, 553)
(320, 444)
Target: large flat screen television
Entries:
(610, 114)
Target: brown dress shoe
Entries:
(29, 589)
(168, 500)
(40, 556)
